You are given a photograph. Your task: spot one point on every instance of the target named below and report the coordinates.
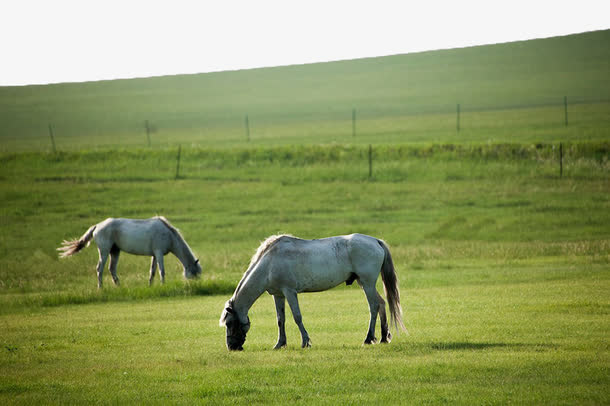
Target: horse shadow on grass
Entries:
(465, 345)
(477, 346)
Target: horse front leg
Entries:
(293, 302)
(280, 304)
(153, 270)
(114, 260)
(161, 267)
(371, 296)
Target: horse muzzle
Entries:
(235, 344)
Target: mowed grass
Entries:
(540, 336)
(504, 271)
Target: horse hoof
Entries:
(306, 344)
(279, 346)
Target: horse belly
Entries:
(323, 274)
(135, 242)
(135, 249)
(322, 284)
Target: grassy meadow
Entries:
(504, 265)
(504, 271)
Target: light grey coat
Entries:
(285, 265)
(153, 237)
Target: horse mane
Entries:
(264, 247)
(260, 251)
(169, 225)
(175, 231)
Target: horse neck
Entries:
(249, 290)
(182, 251)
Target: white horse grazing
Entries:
(285, 265)
(153, 237)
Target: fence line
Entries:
(460, 111)
(178, 162)
(548, 154)
(247, 124)
(52, 139)
(334, 118)
(147, 127)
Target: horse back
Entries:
(139, 237)
(317, 265)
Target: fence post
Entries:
(353, 122)
(565, 109)
(247, 128)
(147, 126)
(458, 118)
(370, 161)
(52, 138)
(178, 161)
(560, 160)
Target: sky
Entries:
(54, 41)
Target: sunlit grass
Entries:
(503, 268)
(523, 335)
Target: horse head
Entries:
(236, 327)
(193, 271)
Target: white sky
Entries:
(53, 41)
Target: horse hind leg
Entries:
(153, 270)
(114, 261)
(386, 337)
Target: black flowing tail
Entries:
(69, 248)
(390, 285)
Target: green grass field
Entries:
(504, 271)
(504, 265)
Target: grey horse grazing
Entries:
(153, 237)
(285, 265)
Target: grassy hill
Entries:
(316, 100)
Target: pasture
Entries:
(504, 271)
(504, 265)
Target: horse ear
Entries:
(196, 262)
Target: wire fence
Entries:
(386, 122)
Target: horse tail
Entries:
(69, 248)
(390, 286)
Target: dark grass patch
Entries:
(77, 179)
(14, 389)
(123, 294)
